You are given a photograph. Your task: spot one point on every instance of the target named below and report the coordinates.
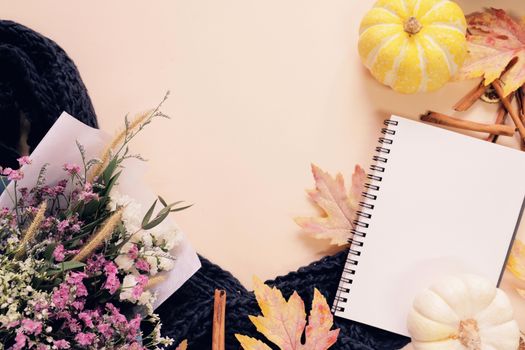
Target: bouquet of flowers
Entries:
(79, 259)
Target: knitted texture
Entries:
(187, 314)
(38, 80)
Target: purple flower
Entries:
(24, 160)
(72, 169)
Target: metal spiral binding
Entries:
(363, 215)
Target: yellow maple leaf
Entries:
(283, 322)
(340, 208)
(516, 262)
(494, 40)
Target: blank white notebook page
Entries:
(446, 203)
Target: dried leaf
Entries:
(516, 262)
(283, 322)
(339, 207)
(183, 345)
(494, 39)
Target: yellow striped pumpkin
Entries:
(413, 45)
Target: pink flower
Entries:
(74, 326)
(95, 263)
(61, 296)
(59, 253)
(87, 193)
(116, 316)
(133, 252)
(75, 279)
(85, 338)
(63, 225)
(86, 318)
(134, 327)
(106, 330)
(72, 169)
(142, 265)
(112, 282)
(20, 341)
(61, 344)
(14, 175)
(24, 160)
(31, 327)
(137, 290)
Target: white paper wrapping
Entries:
(59, 147)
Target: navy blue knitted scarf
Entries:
(39, 81)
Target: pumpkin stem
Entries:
(469, 334)
(412, 25)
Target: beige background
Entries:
(259, 89)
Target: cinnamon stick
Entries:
(500, 118)
(519, 99)
(219, 313)
(470, 98)
(508, 106)
(443, 119)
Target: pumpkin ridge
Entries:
(423, 64)
(433, 8)
(447, 26)
(392, 75)
(450, 309)
(445, 301)
(372, 56)
(416, 8)
(394, 13)
(378, 25)
(405, 7)
(446, 54)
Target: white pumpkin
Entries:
(464, 312)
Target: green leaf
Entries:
(48, 253)
(181, 208)
(163, 201)
(158, 219)
(111, 183)
(149, 213)
(68, 265)
(110, 169)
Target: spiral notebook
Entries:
(436, 203)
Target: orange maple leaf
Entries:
(494, 39)
(183, 345)
(283, 322)
(340, 208)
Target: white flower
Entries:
(165, 263)
(153, 263)
(127, 286)
(123, 261)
